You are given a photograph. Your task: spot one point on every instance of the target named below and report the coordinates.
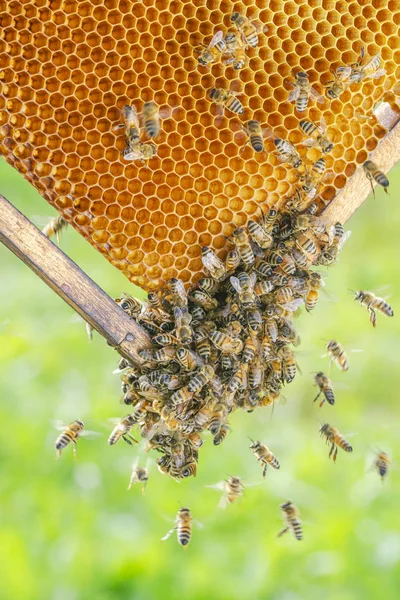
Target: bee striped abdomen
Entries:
(184, 534)
(308, 127)
(63, 440)
(257, 143)
(234, 105)
(302, 101)
(297, 529)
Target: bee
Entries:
(131, 125)
(314, 284)
(221, 435)
(187, 359)
(121, 430)
(54, 227)
(239, 379)
(373, 172)
(288, 363)
(139, 475)
(306, 245)
(232, 260)
(236, 49)
(179, 295)
(337, 354)
(139, 151)
(373, 303)
(183, 320)
(218, 418)
(291, 520)
(369, 71)
(242, 243)
(211, 53)
(204, 300)
(382, 464)
(334, 437)
(130, 305)
(227, 99)
(325, 388)
(317, 135)
(330, 255)
(181, 396)
(247, 29)
(183, 527)
(264, 268)
(310, 179)
(70, 434)
(151, 116)
(287, 153)
(303, 91)
(335, 87)
(254, 319)
(264, 455)
(200, 379)
(254, 133)
(208, 284)
(213, 264)
(232, 489)
(249, 349)
(244, 286)
(263, 287)
(259, 234)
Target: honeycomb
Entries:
(67, 68)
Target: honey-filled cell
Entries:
(66, 77)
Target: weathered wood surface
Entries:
(63, 276)
(358, 187)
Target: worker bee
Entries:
(227, 99)
(212, 263)
(287, 153)
(310, 179)
(259, 234)
(54, 227)
(254, 134)
(70, 433)
(139, 151)
(235, 48)
(325, 388)
(204, 300)
(131, 125)
(337, 354)
(221, 435)
(151, 119)
(183, 527)
(329, 255)
(382, 464)
(263, 287)
(181, 396)
(244, 286)
(335, 87)
(218, 418)
(242, 243)
(335, 438)
(317, 135)
(248, 30)
(369, 71)
(291, 520)
(232, 260)
(303, 91)
(200, 379)
(211, 53)
(183, 320)
(179, 295)
(373, 172)
(121, 430)
(187, 359)
(373, 303)
(232, 490)
(139, 475)
(132, 306)
(264, 455)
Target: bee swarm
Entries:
(68, 69)
(227, 343)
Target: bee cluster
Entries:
(227, 343)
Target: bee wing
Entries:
(294, 304)
(316, 96)
(218, 37)
(198, 524)
(133, 154)
(236, 284)
(253, 279)
(170, 532)
(89, 434)
(59, 425)
(220, 486)
(322, 126)
(309, 142)
(344, 239)
(294, 94)
(343, 72)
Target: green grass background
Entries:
(71, 531)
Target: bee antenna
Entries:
(252, 441)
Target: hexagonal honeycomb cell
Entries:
(68, 68)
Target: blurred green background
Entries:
(71, 531)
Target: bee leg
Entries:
(75, 449)
(242, 149)
(335, 455)
(126, 440)
(131, 438)
(372, 317)
(265, 470)
(316, 397)
(283, 531)
(332, 449)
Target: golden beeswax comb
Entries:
(67, 68)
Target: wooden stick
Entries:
(63, 276)
(358, 187)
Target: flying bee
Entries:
(255, 136)
(242, 243)
(337, 354)
(70, 433)
(200, 379)
(221, 435)
(340, 83)
(310, 179)
(236, 49)
(264, 455)
(232, 489)
(373, 172)
(335, 438)
(212, 263)
(183, 320)
(232, 260)
(373, 303)
(244, 286)
(227, 99)
(139, 475)
(183, 527)
(249, 31)
(382, 464)
(122, 430)
(370, 70)
(303, 91)
(291, 520)
(287, 153)
(325, 388)
(211, 53)
(54, 227)
(317, 135)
